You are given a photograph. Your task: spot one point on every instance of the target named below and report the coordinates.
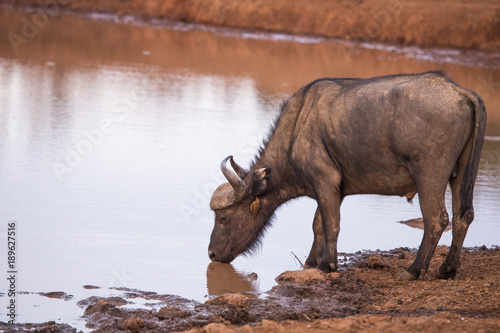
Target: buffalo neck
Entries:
(283, 184)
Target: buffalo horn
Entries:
(239, 170)
(236, 182)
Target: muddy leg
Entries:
(448, 269)
(318, 244)
(329, 206)
(325, 179)
(435, 221)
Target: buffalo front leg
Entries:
(316, 252)
(329, 201)
(324, 178)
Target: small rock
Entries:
(377, 261)
(234, 300)
(134, 325)
(100, 306)
(303, 276)
(89, 286)
(57, 294)
(171, 313)
(253, 276)
(116, 301)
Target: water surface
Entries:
(111, 140)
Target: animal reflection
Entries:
(223, 278)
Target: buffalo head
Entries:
(239, 217)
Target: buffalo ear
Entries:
(260, 177)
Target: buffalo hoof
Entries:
(406, 277)
(446, 275)
(327, 267)
(310, 263)
(309, 266)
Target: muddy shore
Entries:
(363, 296)
(443, 23)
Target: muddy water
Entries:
(111, 136)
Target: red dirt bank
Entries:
(442, 23)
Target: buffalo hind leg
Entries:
(318, 244)
(448, 269)
(436, 219)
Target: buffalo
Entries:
(391, 135)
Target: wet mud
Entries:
(362, 295)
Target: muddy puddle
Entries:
(110, 145)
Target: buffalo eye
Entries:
(223, 219)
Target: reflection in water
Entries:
(276, 67)
(223, 278)
(419, 224)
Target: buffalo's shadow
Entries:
(223, 279)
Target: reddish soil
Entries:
(449, 23)
(363, 296)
